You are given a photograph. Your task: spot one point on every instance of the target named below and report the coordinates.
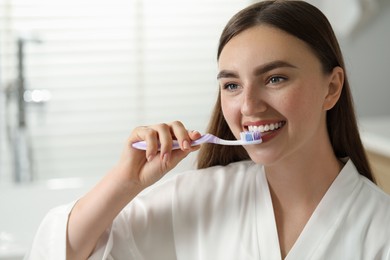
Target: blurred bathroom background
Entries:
(77, 76)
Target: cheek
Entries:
(296, 106)
(231, 110)
(302, 107)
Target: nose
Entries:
(252, 101)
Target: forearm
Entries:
(94, 213)
(135, 170)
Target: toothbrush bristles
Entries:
(250, 136)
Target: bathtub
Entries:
(23, 206)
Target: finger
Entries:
(194, 135)
(152, 143)
(178, 155)
(165, 140)
(150, 136)
(181, 134)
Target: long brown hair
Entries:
(310, 25)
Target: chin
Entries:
(262, 158)
(257, 158)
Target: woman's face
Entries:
(272, 81)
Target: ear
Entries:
(335, 86)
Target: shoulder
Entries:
(368, 192)
(368, 207)
(375, 196)
(217, 185)
(375, 213)
(205, 180)
(372, 209)
(221, 175)
(193, 192)
(235, 168)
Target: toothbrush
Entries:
(247, 138)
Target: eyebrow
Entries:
(259, 70)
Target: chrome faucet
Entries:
(21, 145)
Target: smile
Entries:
(266, 127)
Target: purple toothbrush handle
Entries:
(175, 145)
(142, 145)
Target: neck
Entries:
(297, 186)
(298, 181)
(304, 178)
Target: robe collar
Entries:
(327, 216)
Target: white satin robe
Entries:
(227, 213)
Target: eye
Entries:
(276, 79)
(231, 86)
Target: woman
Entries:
(306, 192)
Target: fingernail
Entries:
(150, 157)
(186, 145)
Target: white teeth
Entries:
(259, 128)
(265, 128)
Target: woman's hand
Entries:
(136, 170)
(144, 168)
